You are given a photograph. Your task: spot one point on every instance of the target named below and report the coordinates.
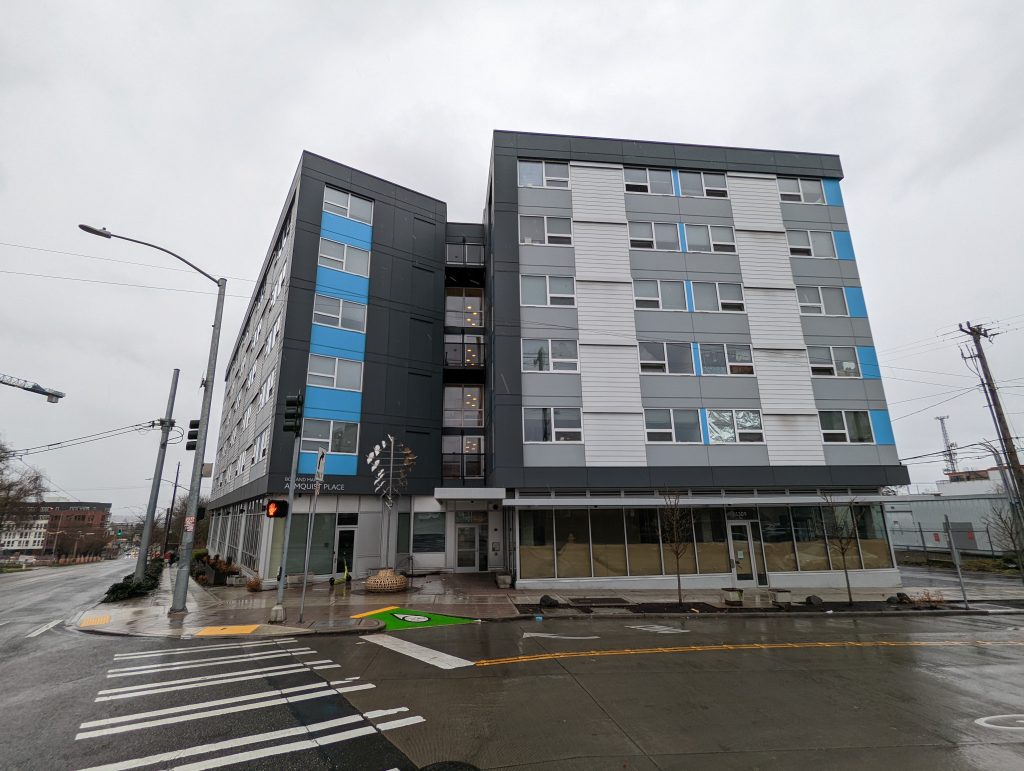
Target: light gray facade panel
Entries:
(784, 381)
(641, 206)
(549, 322)
(774, 318)
(853, 455)
(888, 455)
(544, 198)
(552, 401)
(848, 271)
(602, 251)
(684, 389)
(605, 311)
(793, 440)
(717, 390)
(654, 264)
(764, 259)
(666, 454)
(553, 455)
(663, 325)
(547, 260)
(549, 211)
(610, 378)
(699, 217)
(845, 331)
(812, 216)
(735, 326)
(597, 193)
(716, 211)
(812, 270)
(708, 265)
(755, 202)
(615, 439)
(551, 385)
(738, 455)
(844, 391)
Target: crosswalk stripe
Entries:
(199, 678)
(220, 659)
(291, 669)
(201, 664)
(281, 749)
(200, 649)
(43, 628)
(400, 723)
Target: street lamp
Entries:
(188, 537)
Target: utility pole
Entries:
(1016, 474)
(949, 447)
(154, 491)
(170, 509)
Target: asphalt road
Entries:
(725, 693)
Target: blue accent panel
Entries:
(881, 427)
(341, 343)
(675, 185)
(855, 302)
(696, 357)
(705, 437)
(332, 404)
(345, 230)
(868, 362)
(334, 465)
(688, 286)
(682, 237)
(833, 195)
(844, 245)
(347, 286)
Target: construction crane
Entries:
(51, 395)
(949, 451)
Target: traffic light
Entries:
(193, 435)
(120, 532)
(293, 414)
(200, 513)
(277, 508)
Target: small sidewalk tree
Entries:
(1005, 524)
(677, 532)
(841, 532)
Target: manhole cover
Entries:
(598, 601)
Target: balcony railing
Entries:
(460, 466)
(464, 254)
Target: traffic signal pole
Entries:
(154, 491)
(277, 613)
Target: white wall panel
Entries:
(784, 382)
(755, 202)
(614, 439)
(602, 251)
(794, 440)
(764, 258)
(610, 378)
(598, 193)
(774, 318)
(605, 313)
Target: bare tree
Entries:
(20, 490)
(841, 532)
(677, 532)
(1005, 524)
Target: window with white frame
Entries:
(251, 378)
(343, 314)
(249, 455)
(706, 184)
(811, 243)
(553, 231)
(543, 174)
(550, 356)
(267, 390)
(348, 205)
(822, 300)
(552, 424)
(259, 331)
(653, 181)
(666, 358)
(247, 415)
(336, 437)
(261, 445)
(240, 464)
(833, 361)
(657, 295)
(709, 296)
(726, 359)
(278, 287)
(343, 257)
(331, 372)
(275, 333)
(663, 236)
(846, 426)
(794, 190)
(710, 238)
(547, 290)
(731, 426)
(678, 426)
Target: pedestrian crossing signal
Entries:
(277, 509)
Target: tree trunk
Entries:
(679, 581)
(846, 572)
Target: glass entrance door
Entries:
(742, 554)
(467, 553)
(344, 553)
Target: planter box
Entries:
(503, 580)
(782, 597)
(732, 596)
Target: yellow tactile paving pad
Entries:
(94, 621)
(213, 631)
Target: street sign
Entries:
(321, 458)
(190, 524)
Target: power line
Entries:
(116, 283)
(951, 398)
(47, 478)
(86, 439)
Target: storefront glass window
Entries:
(777, 534)
(607, 534)
(874, 547)
(428, 532)
(712, 546)
(841, 531)
(678, 527)
(810, 538)
(572, 543)
(642, 542)
(403, 532)
(536, 539)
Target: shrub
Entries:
(199, 554)
(128, 587)
(254, 584)
(201, 579)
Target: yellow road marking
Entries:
(94, 621)
(744, 647)
(213, 631)
(375, 612)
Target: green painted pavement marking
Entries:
(405, 618)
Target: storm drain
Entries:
(599, 601)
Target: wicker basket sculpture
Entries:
(386, 580)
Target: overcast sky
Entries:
(182, 124)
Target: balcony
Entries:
(470, 255)
(464, 351)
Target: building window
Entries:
(663, 236)
(666, 358)
(822, 300)
(428, 532)
(348, 205)
(554, 231)
(463, 406)
(710, 238)
(463, 307)
(344, 257)
(550, 356)
(705, 184)
(464, 254)
(717, 297)
(329, 372)
(267, 389)
(650, 294)
(462, 350)
(678, 426)
(811, 243)
(730, 426)
(275, 332)
(552, 424)
(247, 415)
(726, 359)
(343, 314)
(801, 190)
(251, 377)
(337, 437)
(846, 426)
(463, 457)
(543, 174)
(653, 181)
(835, 361)
(548, 290)
(261, 445)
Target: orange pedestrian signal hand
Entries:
(277, 509)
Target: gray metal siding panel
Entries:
(553, 455)
(615, 439)
(548, 322)
(784, 381)
(598, 193)
(661, 454)
(610, 378)
(855, 455)
(641, 206)
(551, 384)
(793, 440)
(738, 455)
(715, 211)
(774, 318)
(813, 216)
(547, 260)
(602, 251)
(755, 202)
(681, 388)
(605, 312)
(764, 259)
(544, 198)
